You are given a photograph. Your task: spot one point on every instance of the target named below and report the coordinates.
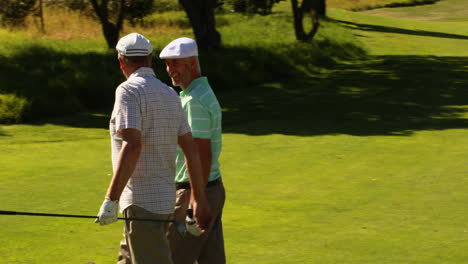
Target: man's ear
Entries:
(150, 60)
(193, 64)
(121, 63)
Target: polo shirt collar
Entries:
(143, 72)
(194, 84)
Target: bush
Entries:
(263, 7)
(63, 77)
(14, 12)
(57, 82)
(135, 10)
(167, 5)
(12, 108)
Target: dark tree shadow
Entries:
(2, 133)
(58, 83)
(385, 29)
(301, 91)
(389, 95)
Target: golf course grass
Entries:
(354, 161)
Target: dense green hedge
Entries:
(55, 82)
(54, 79)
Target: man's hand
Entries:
(108, 213)
(202, 213)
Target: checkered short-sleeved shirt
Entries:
(145, 103)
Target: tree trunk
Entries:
(41, 16)
(298, 26)
(111, 34)
(110, 30)
(312, 7)
(322, 9)
(202, 19)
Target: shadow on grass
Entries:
(389, 95)
(300, 90)
(398, 4)
(99, 118)
(58, 83)
(2, 133)
(385, 29)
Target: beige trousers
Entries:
(144, 242)
(207, 248)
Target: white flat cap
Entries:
(134, 44)
(180, 48)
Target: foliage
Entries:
(167, 5)
(65, 84)
(263, 7)
(13, 108)
(78, 75)
(14, 12)
(135, 10)
(70, 4)
(111, 14)
(263, 58)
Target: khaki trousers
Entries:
(207, 248)
(144, 242)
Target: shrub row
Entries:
(39, 81)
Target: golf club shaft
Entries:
(78, 216)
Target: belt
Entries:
(186, 185)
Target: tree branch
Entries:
(98, 11)
(121, 16)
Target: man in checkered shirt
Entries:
(146, 125)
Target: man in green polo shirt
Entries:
(204, 116)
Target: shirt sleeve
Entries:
(184, 125)
(199, 119)
(128, 114)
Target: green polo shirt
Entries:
(204, 116)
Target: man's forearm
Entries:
(194, 168)
(195, 171)
(192, 161)
(204, 150)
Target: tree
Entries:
(202, 19)
(312, 7)
(110, 29)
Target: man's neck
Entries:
(134, 69)
(183, 87)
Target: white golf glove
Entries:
(108, 213)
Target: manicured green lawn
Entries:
(361, 161)
(291, 199)
(347, 199)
